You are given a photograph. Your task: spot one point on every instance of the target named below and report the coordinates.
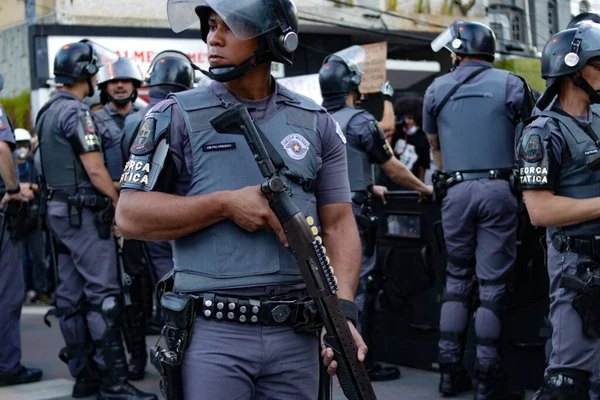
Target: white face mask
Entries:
(22, 153)
(412, 130)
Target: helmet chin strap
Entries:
(581, 83)
(121, 102)
(232, 72)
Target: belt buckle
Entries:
(458, 176)
(493, 174)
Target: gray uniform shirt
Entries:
(515, 94)
(6, 135)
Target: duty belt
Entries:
(492, 174)
(87, 199)
(291, 312)
(583, 247)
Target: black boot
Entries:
(86, 384)
(568, 384)
(454, 379)
(137, 344)
(493, 384)
(114, 385)
(20, 376)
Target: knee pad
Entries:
(110, 308)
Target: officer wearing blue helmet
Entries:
(79, 216)
(187, 183)
(12, 287)
(558, 165)
(469, 116)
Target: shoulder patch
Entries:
(296, 146)
(89, 123)
(532, 151)
(338, 130)
(144, 141)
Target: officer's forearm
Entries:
(434, 142)
(7, 169)
(388, 121)
(402, 175)
(161, 216)
(103, 183)
(340, 238)
(546, 209)
(437, 158)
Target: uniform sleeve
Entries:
(429, 122)
(539, 155)
(332, 179)
(152, 167)
(517, 98)
(6, 131)
(360, 127)
(78, 126)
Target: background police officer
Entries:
(88, 293)
(223, 230)
(472, 139)
(118, 83)
(12, 288)
(560, 189)
(170, 72)
(339, 79)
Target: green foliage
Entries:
(528, 68)
(18, 110)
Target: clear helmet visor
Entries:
(354, 57)
(102, 55)
(247, 19)
(122, 69)
(443, 40)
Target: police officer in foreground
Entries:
(80, 210)
(558, 166)
(469, 116)
(339, 79)
(202, 190)
(118, 83)
(170, 72)
(12, 287)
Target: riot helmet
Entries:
(585, 16)
(274, 22)
(341, 74)
(467, 39)
(122, 69)
(171, 67)
(80, 60)
(565, 54)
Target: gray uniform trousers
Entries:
(570, 347)
(12, 293)
(480, 221)
(367, 266)
(88, 273)
(227, 360)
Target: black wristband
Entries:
(14, 191)
(350, 310)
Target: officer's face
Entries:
(224, 48)
(591, 73)
(120, 89)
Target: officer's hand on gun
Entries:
(17, 197)
(249, 209)
(327, 353)
(27, 191)
(428, 193)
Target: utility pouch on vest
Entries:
(515, 186)
(103, 219)
(587, 302)
(74, 204)
(594, 162)
(179, 313)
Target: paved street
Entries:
(41, 346)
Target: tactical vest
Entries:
(474, 129)
(14, 158)
(360, 169)
(225, 255)
(111, 135)
(61, 167)
(576, 179)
